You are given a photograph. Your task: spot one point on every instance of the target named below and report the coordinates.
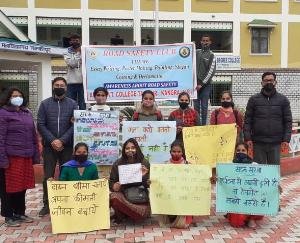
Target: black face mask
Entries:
(226, 104)
(269, 87)
(75, 45)
(183, 105)
(59, 91)
(81, 158)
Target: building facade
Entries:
(263, 33)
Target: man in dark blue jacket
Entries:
(268, 122)
(55, 124)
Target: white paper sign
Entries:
(130, 173)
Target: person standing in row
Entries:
(184, 116)
(148, 110)
(268, 122)
(55, 124)
(227, 114)
(74, 74)
(205, 69)
(18, 151)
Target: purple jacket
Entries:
(17, 135)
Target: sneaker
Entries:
(11, 222)
(252, 224)
(23, 218)
(44, 211)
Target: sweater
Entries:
(17, 135)
(69, 173)
(73, 61)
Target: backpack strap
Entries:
(235, 112)
(159, 116)
(216, 115)
(135, 116)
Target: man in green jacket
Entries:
(205, 69)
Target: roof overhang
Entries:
(261, 23)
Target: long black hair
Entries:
(78, 145)
(138, 156)
(5, 100)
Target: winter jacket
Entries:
(73, 61)
(55, 120)
(268, 119)
(205, 66)
(17, 135)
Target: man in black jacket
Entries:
(268, 122)
(55, 125)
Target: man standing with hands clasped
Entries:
(55, 124)
(268, 122)
(205, 69)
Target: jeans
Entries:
(201, 103)
(51, 157)
(75, 92)
(266, 153)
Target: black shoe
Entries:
(11, 222)
(23, 218)
(44, 211)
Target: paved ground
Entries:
(285, 227)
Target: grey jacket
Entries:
(73, 61)
(55, 120)
(205, 66)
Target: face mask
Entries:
(59, 91)
(16, 101)
(204, 47)
(183, 105)
(81, 158)
(241, 156)
(226, 104)
(75, 45)
(269, 87)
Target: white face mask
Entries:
(16, 101)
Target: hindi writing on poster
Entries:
(126, 71)
(78, 206)
(154, 138)
(100, 131)
(209, 144)
(130, 173)
(248, 189)
(180, 189)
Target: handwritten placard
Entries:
(126, 71)
(100, 131)
(180, 189)
(248, 188)
(154, 137)
(130, 173)
(78, 206)
(209, 144)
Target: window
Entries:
(219, 84)
(260, 40)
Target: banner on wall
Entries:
(248, 188)
(100, 131)
(180, 189)
(126, 71)
(209, 144)
(78, 206)
(154, 138)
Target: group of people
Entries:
(265, 128)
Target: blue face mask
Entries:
(16, 101)
(241, 156)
